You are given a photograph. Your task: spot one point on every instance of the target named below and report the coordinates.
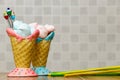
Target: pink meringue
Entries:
(44, 30)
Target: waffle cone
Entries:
(40, 54)
(22, 52)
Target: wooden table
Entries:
(3, 76)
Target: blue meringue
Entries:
(21, 28)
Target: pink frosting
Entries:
(49, 28)
(11, 32)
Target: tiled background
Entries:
(87, 31)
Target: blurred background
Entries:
(87, 31)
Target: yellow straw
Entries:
(90, 73)
(91, 69)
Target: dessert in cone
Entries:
(40, 55)
(22, 52)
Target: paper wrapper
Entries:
(41, 51)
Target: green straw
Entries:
(108, 74)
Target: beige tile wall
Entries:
(87, 31)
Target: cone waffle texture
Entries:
(40, 55)
(22, 52)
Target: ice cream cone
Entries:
(22, 51)
(40, 55)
